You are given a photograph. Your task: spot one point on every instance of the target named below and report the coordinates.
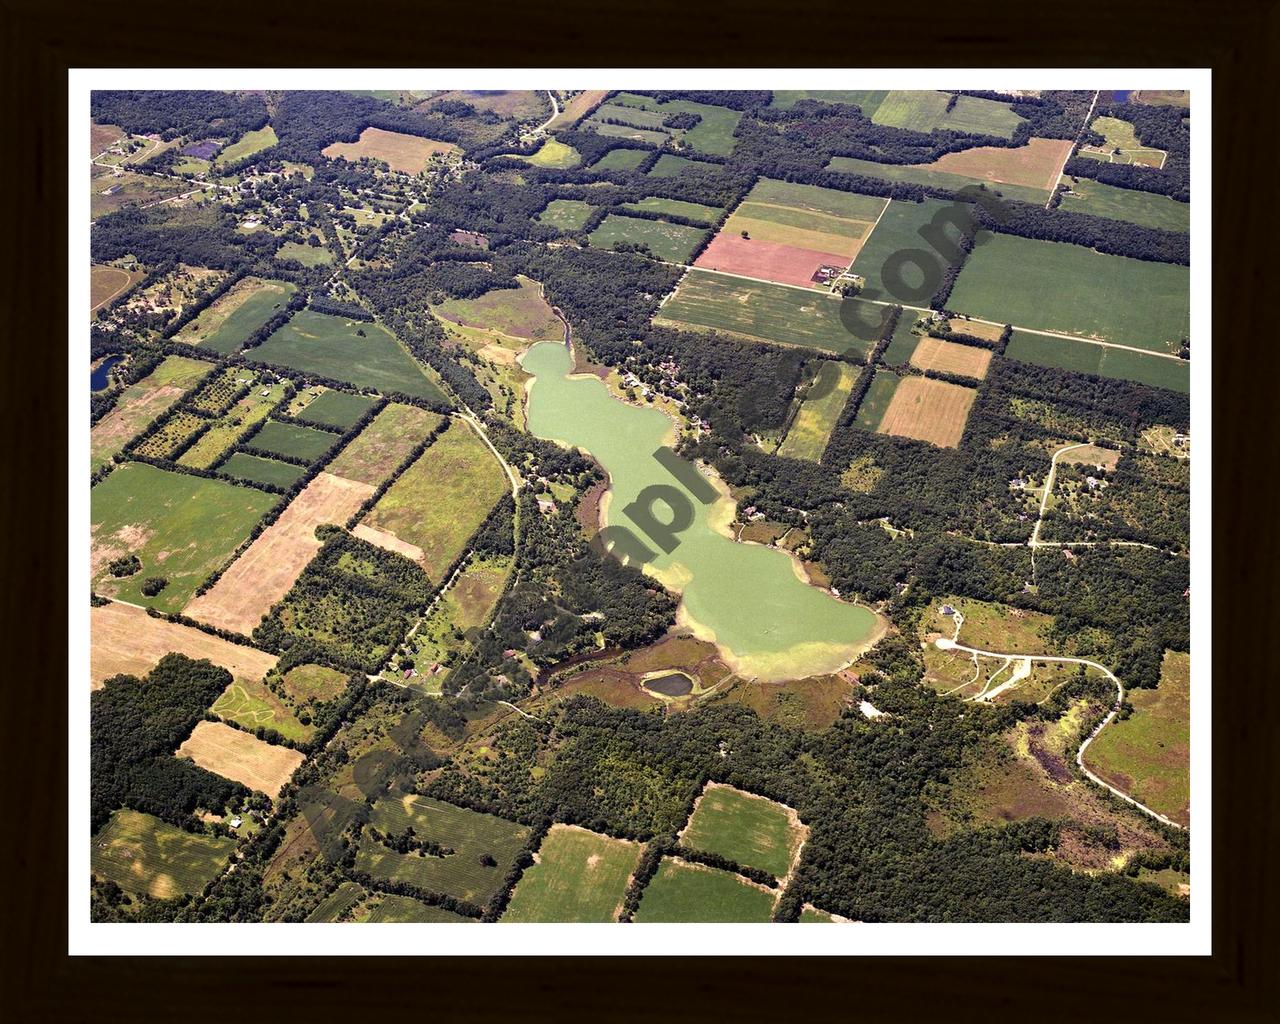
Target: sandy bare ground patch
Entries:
(264, 573)
(928, 410)
(1035, 165)
(125, 639)
(388, 541)
(1091, 455)
(769, 261)
(241, 757)
(976, 328)
(947, 356)
(405, 153)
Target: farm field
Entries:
(243, 466)
(393, 909)
(577, 876)
(566, 214)
(337, 409)
(868, 100)
(712, 135)
(440, 501)
(292, 440)
(621, 160)
(337, 904)
(253, 706)
(904, 341)
(376, 452)
(125, 640)
(1040, 350)
(924, 110)
(681, 892)
(1148, 754)
(181, 527)
(143, 854)
(672, 243)
(140, 403)
(807, 438)
(520, 313)
(898, 230)
(553, 153)
(468, 833)
(225, 431)
(760, 311)
(246, 146)
(408, 154)
(937, 174)
(241, 757)
(785, 232)
(1121, 145)
(263, 574)
(228, 323)
(671, 166)
(307, 255)
(107, 283)
(676, 207)
(330, 346)
(109, 192)
(574, 109)
(621, 131)
(748, 829)
(950, 357)
(1146, 208)
(1060, 287)
(928, 410)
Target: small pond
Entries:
(100, 376)
(672, 684)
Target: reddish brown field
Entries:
(102, 136)
(947, 356)
(125, 639)
(106, 283)
(1035, 165)
(928, 410)
(767, 261)
(241, 757)
(405, 153)
(264, 573)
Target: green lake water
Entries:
(750, 600)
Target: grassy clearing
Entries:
(243, 466)
(566, 214)
(292, 440)
(621, 160)
(875, 403)
(514, 312)
(140, 403)
(1068, 288)
(378, 450)
(670, 166)
(408, 154)
(681, 893)
(807, 438)
(990, 626)
(765, 312)
(553, 153)
(929, 174)
(468, 834)
(252, 705)
(393, 909)
(1148, 754)
(182, 527)
(143, 854)
(924, 110)
(1039, 350)
(754, 831)
(337, 904)
(868, 100)
(439, 501)
(245, 146)
(904, 341)
(899, 229)
(712, 135)
(228, 323)
(333, 347)
(676, 207)
(307, 255)
(1146, 208)
(336, 409)
(579, 876)
(672, 243)
(314, 682)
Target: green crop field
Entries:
(692, 211)
(807, 438)
(516, 312)
(243, 466)
(622, 131)
(336, 904)
(621, 160)
(440, 501)
(394, 909)
(307, 255)
(899, 229)
(252, 705)
(377, 451)
(140, 403)
(248, 144)
(143, 854)
(670, 166)
(904, 341)
(868, 100)
(1055, 286)
(1158, 371)
(225, 431)
(579, 876)
(336, 409)
(927, 176)
(292, 440)
(876, 401)
(1148, 754)
(566, 214)
(682, 893)
(712, 135)
(182, 527)
(766, 312)
(469, 834)
(1146, 208)
(554, 154)
(672, 243)
(228, 323)
(755, 832)
(329, 346)
(924, 110)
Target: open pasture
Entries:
(949, 357)
(338, 409)
(807, 438)
(332, 346)
(621, 160)
(246, 146)
(875, 403)
(143, 854)
(408, 154)
(227, 429)
(263, 574)
(107, 283)
(751, 830)
(1146, 208)
(759, 311)
(928, 410)
(688, 893)
(577, 876)
(868, 100)
(555, 154)
(899, 230)
(252, 705)
(110, 191)
(934, 174)
(926, 110)
(712, 135)
(124, 639)
(565, 214)
(182, 527)
(1120, 144)
(241, 757)
(292, 440)
(1082, 357)
(468, 834)
(520, 313)
(676, 207)
(307, 255)
(314, 682)
(255, 469)
(228, 323)
(140, 403)
(671, 243)
(440, 501)
(377, 451)
(1071, 289)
